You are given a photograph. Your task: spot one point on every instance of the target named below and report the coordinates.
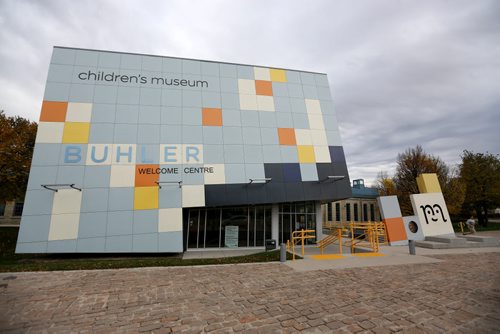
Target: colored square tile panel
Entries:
(278, 75)
(264, 87)
(53, 111)
(76, 132)
(146, 198)
(306, 154)
(212, 117)
(286, 136)
(146, 176)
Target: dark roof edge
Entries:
(209, 61)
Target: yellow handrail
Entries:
(301, 236)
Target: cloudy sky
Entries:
(402, 73)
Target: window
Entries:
(365, 212)
(329, 208)
(2, 209)
(18, 209)
(356, 212)
(337, 212)
(372, 212)
(348, 212)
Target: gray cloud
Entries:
(402, 73)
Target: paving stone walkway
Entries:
(460, 294)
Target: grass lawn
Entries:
(10, 262)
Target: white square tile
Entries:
(265, 103)
(248, 102)
(171, 154)
(192, 154)
(322, 154)
(122, 176)
(99, 154)
(316, 121)
(313, 106)
(218, 176)
(64, 227)
(246, 86)
(319, 138)
(67, 201)
(262, 73)
(123, 154)
(50, 132)
(170, 220)
(79, 112)
(303, 136)
(193, 196)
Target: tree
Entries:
(385, 184)
(480, 173)
(17, 139)
(410, 164)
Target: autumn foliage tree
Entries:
(17, 139)
(480, 173)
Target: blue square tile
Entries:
(230, 101)
(253, 154)
(72, 154)
(324, 93)
(284, 119)
(250, 118)
(280, 89)
(210, 68)
(131, 61)
(170, 134)
(87, 58)
(191, 116)
(171, 173)
(173, 65)
(229, 85)
(191, 99)
(109, 59)
(148, 134)
(291, 172)
(91, 245)
(191, 66)
(121, 199)
(170, 195)
(307, 78)
(211, 100)
(96, 176)
(295, 90)
(145, 221)
(267, 120)
(92, 224)
(34, 228)
(105, 94)
(149, 114)
(209, 84)
(145, 243)
(254, 171)
(331, 122)
(232, 135)
(150, 96)
(171, 97)
(231, 117)
(170, 242)
(127, 114)
(41, 175)
(282, 104)
(289, 153)
(213, 154)
(63, 56)
(81, 93)
(31, 247)
(192, 134)
(251, 136)
(171, 115)
(327, 107)
(269, 136)
(298, 105)
(189, 177)
(300, 121)
(321, 80)
(101, 133)
(212, 135)
(293, 76)
(245, 72)
(56, 91)
(271, 153)
(125, 134)
(128, 95)
(310, 92)
(309, 172)
(94, 200)
(70, 175)
(151, 63)
(235, 173)
(60, 73)
(120, 223)
(119, 244)
(61, 246)
(233, 154)
(228, 70)
(103, 113)
(38, 202)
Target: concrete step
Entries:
(447, 245)
(447, 239)
(485, 241)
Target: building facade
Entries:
(141, 153)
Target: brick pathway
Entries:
(461, 294)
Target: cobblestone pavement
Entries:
(461, 294)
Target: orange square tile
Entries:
(395, 229)
(146, 175)
(263, 87)
(212, 116)
(287, 136)
(53, 111)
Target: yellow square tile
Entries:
(278, 75)
(306, 154)
(145, 198)
(76, 133)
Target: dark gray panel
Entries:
(294, 192)
(236, 194)
(274, 171)
(257, 193)
(215, 194)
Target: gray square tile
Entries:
(149, 114)
(250, 118)
(60, 73)
(324, 93)
(170, 134)
(148, 134)
(101, 133)
(210, 68)
(192, 134)
(321, 80)
(34, 228)
(171, 97)
(145, 243)
(300, 121)
(191, 98)
(109, 59)
(170, 195)
(289, 154)
(308, 172)
(232, 135)
(152, 63)
(31, 247)
(269, 136)
(235, 173)
(327, 107)
(121, 199)
(130, 61)
(212, 135)
(128, 95)
(63, 56)
(150, 96)
(245, 72)
(96, 176)
(119, 244)
(230, 101)
(254, 171)
(103, 113)
(267, 120)
(127, 114)
(119, 223)
(251, 135)
(188, 177)
(61, 246)
(310, 92)
(298, 106)
(228, 70)
(91, 245)
(105, 94)
(191, 116)
(94, 200)
(282, 104)
(253, 154)
(295, 90)
(293, 76)
(70, 174)
(191, 66)
(307, 78)
(211, 100)
(41, 175)
(229, 85)
(86, 58)
(213, 154)
(271, 153)
(233, 154)
(148, 154)
(284, 119)
(145, 221)
(280, 89)
(125, 133)
(170, 242)
(231, 117)
(92, 224)
(81, 93)
(56, 91)
(331, 122)
(171, 115)
(172, 65)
